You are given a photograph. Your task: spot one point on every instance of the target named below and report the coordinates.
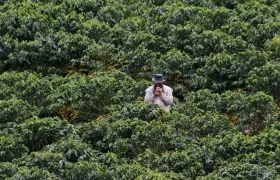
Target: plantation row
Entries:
(196, 44)
(47, 131)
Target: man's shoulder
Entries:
(150, 88)
(167, 88)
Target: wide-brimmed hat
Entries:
(158, 79)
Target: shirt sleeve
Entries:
(167, 97)
(149, 97)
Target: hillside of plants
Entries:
(73, 75)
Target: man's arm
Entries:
(149, 96)
(167, 97)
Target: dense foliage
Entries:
(74, 72)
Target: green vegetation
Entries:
(72, 81)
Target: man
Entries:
(159, 93)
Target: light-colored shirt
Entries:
(165, 99)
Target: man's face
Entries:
(159, 85)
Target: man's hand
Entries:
(158, 91)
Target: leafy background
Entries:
(73, 75)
